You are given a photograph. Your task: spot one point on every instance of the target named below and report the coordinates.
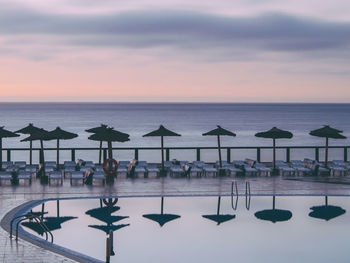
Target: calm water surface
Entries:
(193, 238)
(190, 120)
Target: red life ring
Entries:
(105, 164)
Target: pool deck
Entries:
(24, 251)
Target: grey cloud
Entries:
(274, 32)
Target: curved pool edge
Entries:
(63, 251)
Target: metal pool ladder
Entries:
(234, 193)
(37, 217)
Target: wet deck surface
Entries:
(23, 251)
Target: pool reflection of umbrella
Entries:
(52, 223)
(274, 134)
(219, 131)
(39, 135)
(274, 215)
(219, 218)
(326, 211)
(108, 228)
(59, 134)
(110, 135)
(161, 132)
(327, 132)
(98, 129)
(5, 134)
(29, 129)
(161, 218)
(104, 214)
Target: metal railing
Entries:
(197, 150)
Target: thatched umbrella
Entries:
(39, 135)
(29, 130)
(274, 134)
(327, 132)
(161, 132)
(219, 131)
(219, 218)
(161, 218)
(5, 134)
(110, 135)
(59, 134)
(98, 129)
(326, 211)
(274, 215)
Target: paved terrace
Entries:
(24, 251)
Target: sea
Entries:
(190, 120)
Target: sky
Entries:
(175, 51)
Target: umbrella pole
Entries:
(219, 148)
(58, 208)
(326, 155)
(273, 202)
(274, 153)
(58, 154)
(162, 205)
(0, 154)
(100, 153)
(30, 152)
(326, 200)
(219, 201)
(42, 153)
(162, 146)
(110, 153)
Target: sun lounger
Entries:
(21, 165)
(262, 169)
(24, 178)
(5, 178)
(98, 178)
(55, 177)
(176, 171)
(246, 168)
(233, 170)
(152, 171)
(68, 171)
(31, 169)
(337, 170)
(195, 171)
(6, 164)
(316, 167)
(209, 170)
(284, 168)
(140, 170)
(77, 178)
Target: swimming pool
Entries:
(204, 229)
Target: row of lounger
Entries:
(24, 173)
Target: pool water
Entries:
(240, 236)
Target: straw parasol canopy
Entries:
(5, 134)
(39, 135)
(29, 129)
(219, 131)
(274, 215)
(59, 134)
(219, 218)
(161, 132)
(326, 212)
(161, 218)
(110, 135)
(327, 132)
(274, 134)
(98, 129)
